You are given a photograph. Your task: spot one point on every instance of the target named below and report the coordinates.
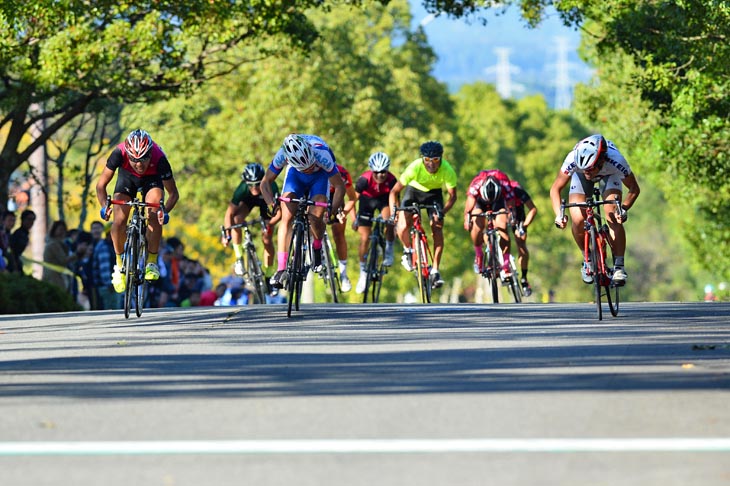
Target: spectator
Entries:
(210, 297)
(56, 256)
(7, 221)
(19, 240)
(81, 265)
(102, 262)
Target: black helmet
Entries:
(432, 148)
(253, 173)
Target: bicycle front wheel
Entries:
(330, 263)
(493, 260)
(256, 275)
(371, 268)
(596, 273)
(294, 267)
(130, 268)
(140, 284)
(424, 272)
(514, 284)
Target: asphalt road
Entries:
(368, 395)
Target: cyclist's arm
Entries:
(338, 198)
(394, 193)
(633, 185)
(471, 201)
(265, 186)
(451, 201)
(106, 177)
(352, 197)
(172, 194)
(559, 184)
(531, 213)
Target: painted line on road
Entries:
(359, 446)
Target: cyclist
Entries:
(373, 188)
(311, 168)
(246, 197)
(523, 219)
(594, 159)
(338, 227)
(143, 166)
(490, 190)
(422, 182)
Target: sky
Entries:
(471, 52)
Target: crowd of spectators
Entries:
(81, 263)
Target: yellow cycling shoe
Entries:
(151, 272)
(119, 279)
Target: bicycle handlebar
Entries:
(135, 203)
(488, 214)
(589, 203)
(304, 200)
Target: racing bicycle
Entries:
(134, 258)
(253, 275)
(374, 263)
(493, 259)
(421, 256)
(595, 246)
(297, 266)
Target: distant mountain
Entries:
(473, 52)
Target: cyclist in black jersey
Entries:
(246, 197)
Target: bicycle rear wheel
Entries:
(595, 266)
(256, 275)
(140, 283)
(330, 266)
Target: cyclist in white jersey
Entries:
(592, 160)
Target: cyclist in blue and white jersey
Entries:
(594, 159)
(312, 168)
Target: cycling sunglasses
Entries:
(432, 160)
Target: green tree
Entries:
(56, 59)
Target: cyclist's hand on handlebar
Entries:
(622, 215)
(561, 222)
(467, 221)
(105, 212)
(163, 217)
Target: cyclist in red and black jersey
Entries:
(373, 189)
(143, 167)
(338, 227)
(490, 190)
(523, 219)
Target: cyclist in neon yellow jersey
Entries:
(422, 182)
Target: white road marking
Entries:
(359, 446)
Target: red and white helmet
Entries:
(298, 152)
(138, 145)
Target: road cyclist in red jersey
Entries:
(524, 214)
(142, 166)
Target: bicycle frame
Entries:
(134, 258)
(493, 258)
(253, 275)
(596, 240)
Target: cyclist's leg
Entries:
(500, 223)
(617, 232)
(477, 238)
(283, 240)
(153, 195)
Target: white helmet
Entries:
(298, 152)
(589, 151)
(379, 162)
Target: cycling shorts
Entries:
(412, 195)
(306, 185)
(368, 206)
(580, 185)
(129, 184)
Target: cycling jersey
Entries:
(416, 176)
(367, 186)
(614, 170)
(130, 182)
(346, 178)
(508, 192)
(323, 156)
(242, 194)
